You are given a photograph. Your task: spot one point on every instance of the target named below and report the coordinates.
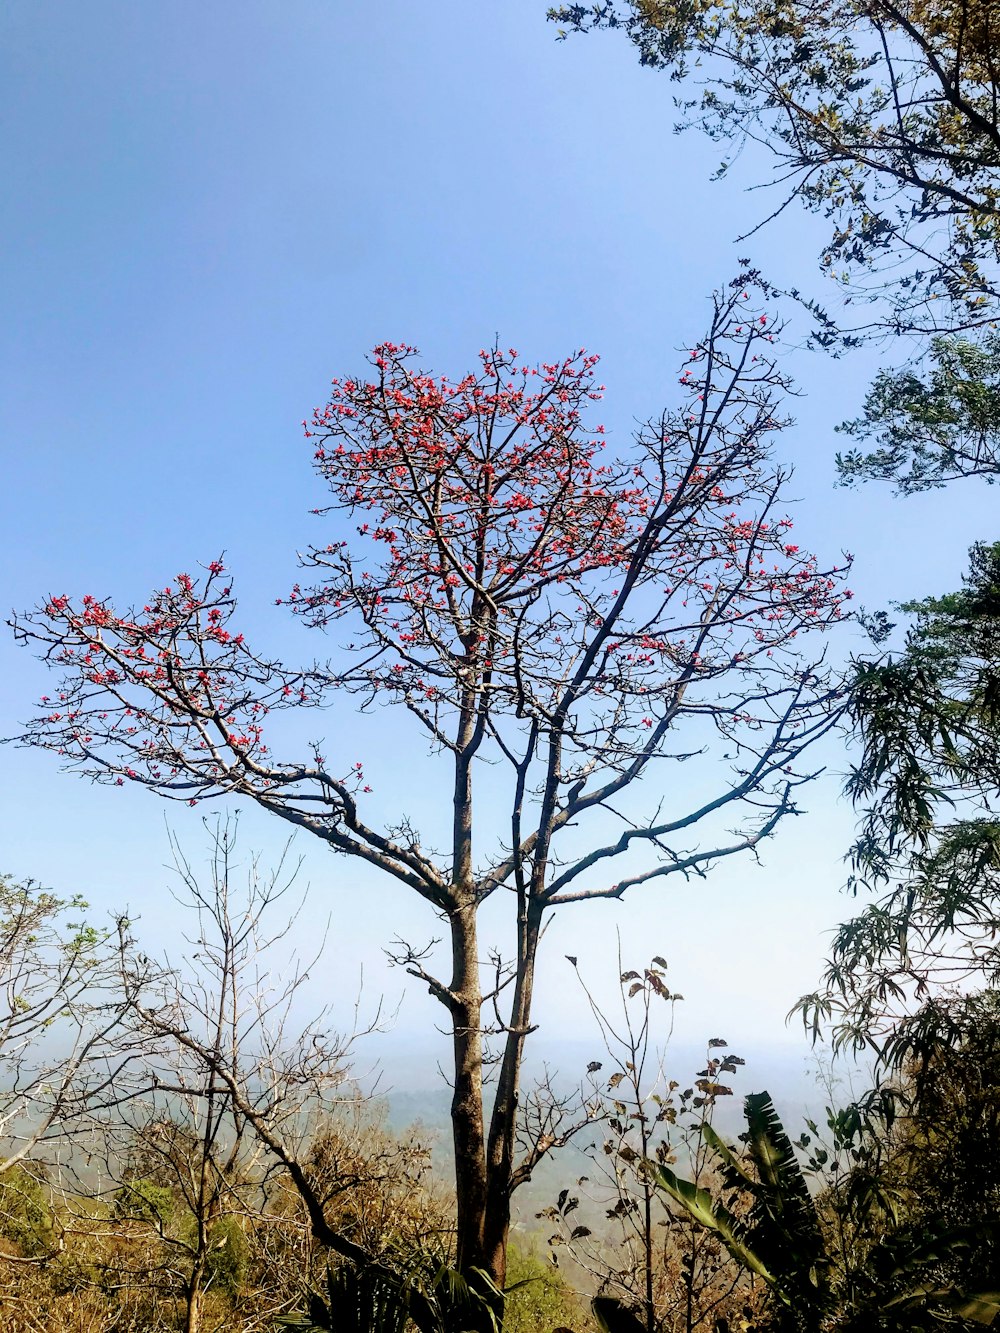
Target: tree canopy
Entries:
(926, 778)
(882, 116)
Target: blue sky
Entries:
(209, 211)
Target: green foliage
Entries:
(357, 1301)
(933, 429)
(538, 1298)
(945, 1152)
(779, 1237)
(893, 1281)
(782, 1222)
(146, 1201)
(928, 728)
(226, 1264)
(421, 1288)
(883, 115)
(33, 918)
(25, 1218)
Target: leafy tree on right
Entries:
(882, 116)
(927, 778)
(928, 429)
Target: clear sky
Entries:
(211, 209)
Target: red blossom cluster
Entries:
(489, 478)
(162, 695)
(501, 536)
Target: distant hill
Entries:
(787, 1071)
(415, 1089)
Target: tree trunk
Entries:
(192, 1313)
(467, 1100)
(503, 1124)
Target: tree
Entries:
(881, 114)
(177, 1212)
(174, 1179)
(942, 1073)
(25, 1217)
(63, 1037)
(227, 1094)
(926, 779)
(933, 428)
(526, 597)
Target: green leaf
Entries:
(715, 1217)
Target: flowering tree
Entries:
(528, 597)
